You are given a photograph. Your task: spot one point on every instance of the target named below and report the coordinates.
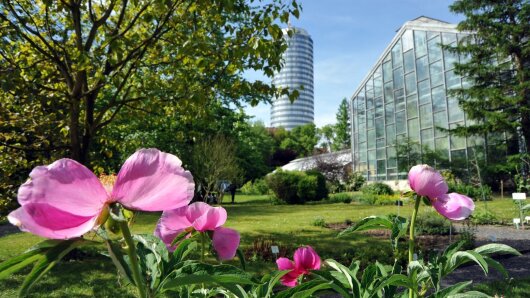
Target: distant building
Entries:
(404, 99)
(296, 73)
(342, 157)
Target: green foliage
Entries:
(321, 190)
(424, 276)
(342, 128)
(356, 181)
(294, 187)
(258, 187)
(284, 185)
(377, 188)
(301, 139)
(484, 216)
(496, 62)
(476, 193)
(97, 82)
(212, 160)
(380, 200)
(431, 223)
(341, 197)
(318, 222)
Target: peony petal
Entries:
(426, 181)
(65, 185)
(454, 206)
(225, 241)
(290, 279)
(214, 218)
(166, 235)
(305, 259)
(152, 180)
(31, 218)
(175, 219)
(196, 210)
(284, 264)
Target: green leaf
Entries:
(305, 289)
(343, 269)
(47, 260)
(369, 276)
(398, 280)
(196, 273)
(184, 249)
(496, 248)
(117, 257)
(368, 223)
(454, 247)
(269, 282)
(15, 264)
(498, 266)
(153, 255)
(338, 282)
(241, 257)
(451, 290)
(461, 257)
(471, 294)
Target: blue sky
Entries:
(348, 37)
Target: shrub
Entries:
(258, 187)
(319, 222)
(307, 188)
(284, 185)
(431, 223)
(483, 217)
(247, 188)
(474, 192)
(321, 188)
(294, 187)
(377, 188)
(386, 200)
(341, 197)
(368, 199)
(356, 181)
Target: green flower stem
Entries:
(131, 251)
(411, 233)
(203, 250)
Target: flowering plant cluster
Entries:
(65, 202)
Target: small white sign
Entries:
(516, 220)
(519, 196)
(275, 249)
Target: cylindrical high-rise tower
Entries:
(297, 73)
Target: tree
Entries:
(86, 79)
(254, 148)
(327, 133)
(342, 127)
(212, 160)
(301, 139)
(88, 61)
(496, 63)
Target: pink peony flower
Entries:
(426, 181)
(454, 206)
(200, 217)
(65, 199)
(305, 259)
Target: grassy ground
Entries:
(288, 226)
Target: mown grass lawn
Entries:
(253, 216)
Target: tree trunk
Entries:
(75, 144)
